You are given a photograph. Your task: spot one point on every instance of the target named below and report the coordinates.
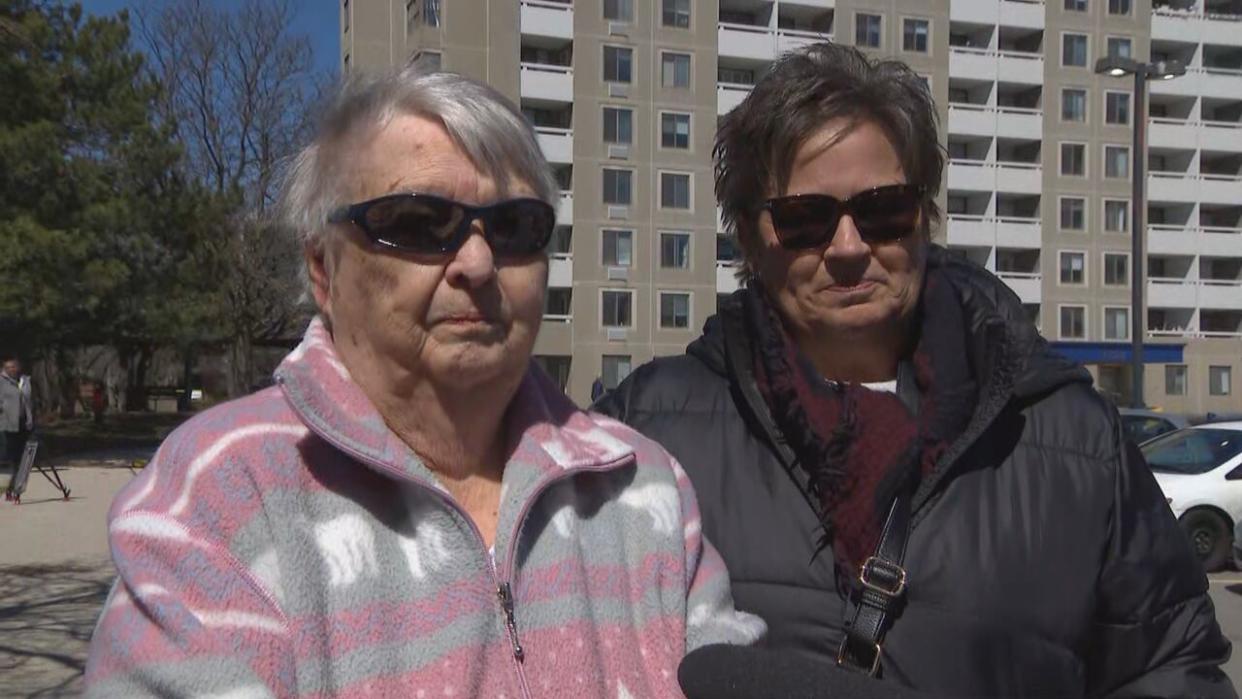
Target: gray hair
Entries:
(480, 120)
(758, 141)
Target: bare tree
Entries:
(239, 86)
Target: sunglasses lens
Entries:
(804, 222)
(887, 215)
(416, 224)
(520, 227)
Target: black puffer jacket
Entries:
(1043, 559)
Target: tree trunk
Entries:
(66, 384)
(241, 365)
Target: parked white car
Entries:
(1200, 471)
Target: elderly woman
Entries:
(901, 476)
(415, 509)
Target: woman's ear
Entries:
(319, 272)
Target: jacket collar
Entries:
(545, 429)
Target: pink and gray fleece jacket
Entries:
(290, 544)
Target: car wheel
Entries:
(1209, 538)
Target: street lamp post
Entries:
(1117, 66)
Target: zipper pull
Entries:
(505, 594)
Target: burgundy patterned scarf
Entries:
(860, 447)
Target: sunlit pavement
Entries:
(55, 574)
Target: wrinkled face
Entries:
(847, 288)
(458, 319)
(13, 368)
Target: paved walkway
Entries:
(54, 576)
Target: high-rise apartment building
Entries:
(625, 96)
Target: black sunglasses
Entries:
(427, 224)
(882, 215)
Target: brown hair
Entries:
(803, 90)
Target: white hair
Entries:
(482, 122)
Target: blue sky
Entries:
(318, 19)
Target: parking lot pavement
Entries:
(1226, 589)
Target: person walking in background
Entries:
(903, 478)
(16, 413)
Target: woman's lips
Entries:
(864, 285)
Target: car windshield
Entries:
(1141, 428)
(1192, 451)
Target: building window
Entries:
(431, 12)
(1116, 323)
(674, 309)
(674, 130)
(618, 125)
(618, 308)
(1074, 49)
(1116, 269)
(1220, 380)
(618, 248)
(675, 70)
(736, 76)
(675, 250)
(1117, 107)
(674, 190)
(619, 10)
(1120, 7)
(1073, 213)
(1116, 216)
(1073, 104)
(558, 302)
(618, 187)
(676, 13)
(1175, 379)
(615, 367)
(1119, 46)
(345, 14)
(618, 64)
(1074, 268)
(1075, 5)
(1117, 161)
(556, 366)
(1073, 160)
(914, 35)
(1073, 322)
(867, 30)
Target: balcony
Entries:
(1025, 178)
(1220, 242)
(1027, 285)
(1220, 294)
(1018, 232)
(552, 19)
(726, 281)
(561, 270)
(1172, 186)
(793, 39)
(972, 175)
(565, 210)
(556, 335)
(1221, 189)
(1019, 122)
(972, 119)
(746, 41)
(1171, 133)
(974, 11)
(965, 230)
(1221, 82)
(730, 95)
(1221, 135)
(1165, 292)
(973, 63)
(1020, 13)
(547, 82)
(1172, 240)
(1194, 26)
(1021, 66)
(818, 4)
(557, 144)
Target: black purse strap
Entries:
(869, 613)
